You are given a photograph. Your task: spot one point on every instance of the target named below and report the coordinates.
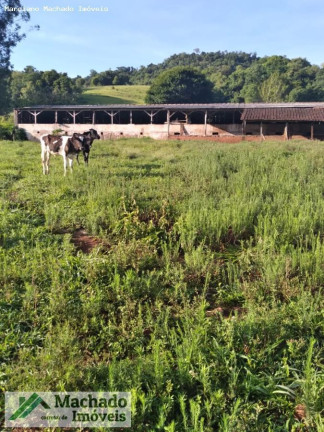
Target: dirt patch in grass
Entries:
(83, 241)
(300, 412)
(226, 311)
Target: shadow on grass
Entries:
(138, 174)
(90, 99)
(147, 167)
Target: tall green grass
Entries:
(204, 298)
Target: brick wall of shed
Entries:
(224, 133)
(157, 131)
(273, 129)
(252, 129)
(300, 130)
(319, 131)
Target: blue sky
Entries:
(135, 33)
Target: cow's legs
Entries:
(43, 156)
(64, 163)
(71, 164)
(45, 161)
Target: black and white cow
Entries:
(89, 137)
(66, 146)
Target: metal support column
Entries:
(205, 120)
(168, 120)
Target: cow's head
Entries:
(93, 134)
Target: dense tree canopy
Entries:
(180, 85)
(236, 76)
(120, 76)
(35, 87)
(228, 77)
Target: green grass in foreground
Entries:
(119, 94)
(205, 301)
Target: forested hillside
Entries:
(236, 76)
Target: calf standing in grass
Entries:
(89, 137)
(66, 146)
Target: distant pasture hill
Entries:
(118, 94)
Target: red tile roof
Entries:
(283, 114)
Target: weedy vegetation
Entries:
(202, 293)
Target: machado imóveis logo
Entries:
(70, 409)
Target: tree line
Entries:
(233, 77)
(33, 87)
(236, 76)
(29, 86)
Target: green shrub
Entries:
(57, 132)
(8, 131)
(19, 134)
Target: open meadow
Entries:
(117, 94)
(189, 273)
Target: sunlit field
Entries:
(196, 283)
(118, 94)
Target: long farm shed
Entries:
(224, 122)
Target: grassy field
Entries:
(202, 294)
(118, 94)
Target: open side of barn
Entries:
(223, 122)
